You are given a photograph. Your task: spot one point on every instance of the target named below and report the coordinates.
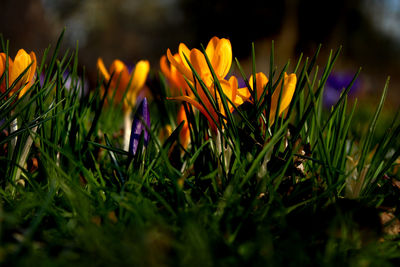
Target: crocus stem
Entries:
(25, 153)
(127, 130)
(13, 128)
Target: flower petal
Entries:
(141, 123)
(180, 66)
(287, 94)
(21, 62)
(199, 107)
(102, 69)
(184, 135)
(223, 58)
(261, 82)
(138, 80)
(184, 51)
(140, 74)
(2, 70)
(165, 69)
(210, 49)
(32, 72)
(199, 63)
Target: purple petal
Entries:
(142, 115)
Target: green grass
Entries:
(306, 190)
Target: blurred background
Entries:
(132, 30)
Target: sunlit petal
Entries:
(223, 58)
(180, 66)
(102, 69)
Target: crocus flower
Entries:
(335, 84)
(219, 52)
(125, 82)
(289, 85)
(141, 122)
(21, 63)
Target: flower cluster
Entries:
(180, 74)
(196, 77)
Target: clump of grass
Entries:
(303, 189)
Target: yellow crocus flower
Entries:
(122, 79)
(219, 52)
(289, 85)
(21, 63)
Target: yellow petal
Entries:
(210, 49)
(286, 97)
(233, 82)
(118, 67)
(184, 52)
(102, 69)
(199, 63)
(222, 58)
(140, 74)
(261, 82)
(31, 77)
(138, 80)
(21, 62)
(244, 93)
(2, 63)
(179, 65)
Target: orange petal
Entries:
(184, 52)
(286, 97)
(165, 69)
(118, 67)
(2, 63)
(199, 63)
(199, 107)
(223, 58)
(210, 49)
(244, 93)
(21, 62)
(31, 77)
(102, 69)
(2, 70)
(180, 66)
(184, 135)
(261, 82)
(234, 87)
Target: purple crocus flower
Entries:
(335, 84)
(142, 115)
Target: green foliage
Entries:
(304, 190)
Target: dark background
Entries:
(132, 30)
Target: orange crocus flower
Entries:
(289, 85)
(219, 52)
(123, 80)
(21, 63)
